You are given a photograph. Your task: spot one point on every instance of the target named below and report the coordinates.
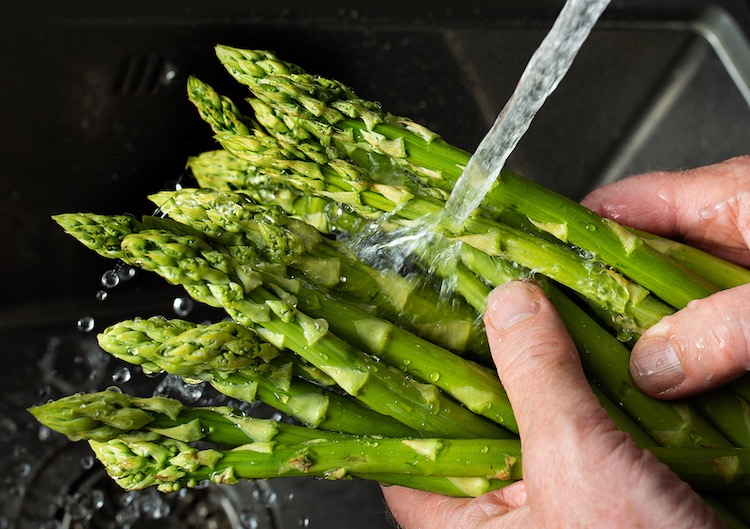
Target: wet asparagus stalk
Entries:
(216, 278)
(235, 362)
(107, 415)
(220, 170)
(340, 115)
(217, 213)
(111, 415)
(171, 465)
(242, 227)
(631, 305)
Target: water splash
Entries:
(425, 240)
(547, 67)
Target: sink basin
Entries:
(96, 118)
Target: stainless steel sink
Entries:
(96, 118)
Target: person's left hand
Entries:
(579, 470)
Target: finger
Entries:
(538, 365)
(425, 510)
(703, 346)
(706, 207)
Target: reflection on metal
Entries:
(714, 31)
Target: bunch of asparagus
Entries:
(383, 369)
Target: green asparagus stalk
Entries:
(171, 465)
(723, 416)
(237, 364)
(215, 277)
(232, 220)
(718, 271)
(362, 124)
(275, 317)
(219, 170)
(109, 415)
(633, 307)
(218, 111)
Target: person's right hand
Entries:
(706, 344)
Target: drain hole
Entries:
(66, 494)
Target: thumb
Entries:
(703, 346)
(538, 365)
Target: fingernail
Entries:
(512, 303)
(655, 366)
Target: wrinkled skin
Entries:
(579, 470)
(704, 345)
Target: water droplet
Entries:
(304, 522)
(342, 279)
(182, 306)
(85, 324)
(121, 375)
(101, 295)
(44, 433)
(270, 497)
(434, 376)
(192, 392)
(248, 520)
(8, 429)
(22, 469)
(110, 279)
(87, 462)
(43, 392)
(126, 272)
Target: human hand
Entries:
(579, 470)
(707, 344)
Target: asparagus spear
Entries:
(362, 124)
(107, 415)
(110, 415)
(219, 170)
(238, 365)
(633, 307)
(219, 111)
(171, 465)
(215, 277)
(212, 212)
(231, 219)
